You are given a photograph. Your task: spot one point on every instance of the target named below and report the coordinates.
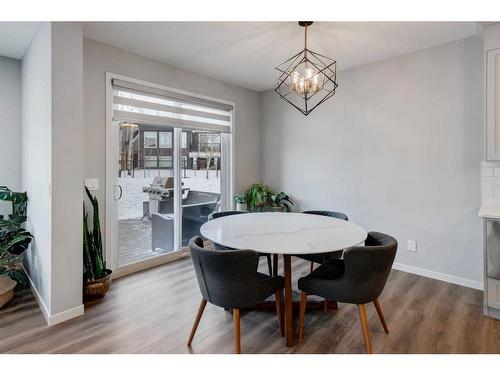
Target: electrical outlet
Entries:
(412, 245)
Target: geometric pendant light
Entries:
(306, 79)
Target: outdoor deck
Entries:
(135, 239)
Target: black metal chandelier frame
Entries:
(327, 70)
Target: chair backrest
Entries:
(367, 267)
(226, 278)
(336, 215)
(215, 215)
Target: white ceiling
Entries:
(15, 38)
(245, 53)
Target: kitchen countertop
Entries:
(490, 212)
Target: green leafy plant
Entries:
(261, 197)
(19, 203)
(14, 238)
(241, 197)
(281, 200)
(258, 196)
(94, 266)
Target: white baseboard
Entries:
(439, 276)
(65, 315)
(38, 297)
(53, 319)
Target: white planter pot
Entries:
(241, 206)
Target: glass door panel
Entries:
(146, 207)
(201, 182)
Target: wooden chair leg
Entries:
(279, 311)
(203, 303)
(269, 264)
(312, 267)
(380, 315)
(275, 264)
(364, 327)
(236, 320)
(302, 314)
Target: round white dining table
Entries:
(286, 234)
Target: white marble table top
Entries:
(283, 233)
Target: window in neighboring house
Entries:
(150, 140)
(165, 140)
(166, 162)
(184, 140)
(150, 161)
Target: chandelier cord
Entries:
(305, 41)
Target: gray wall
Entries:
(101, 58)
(397, 148)
(67, 165)
(52, 164)
(37, 157)
(10, 126)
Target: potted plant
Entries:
(96, 277)
(261, 197)
(14, 240)
(241, 201)
(258, 197)
(281, 202)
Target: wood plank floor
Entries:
(152, 312)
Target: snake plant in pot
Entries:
(96, 277)
(14, 240)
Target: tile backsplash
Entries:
(490, 183)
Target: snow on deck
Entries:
(130, 206)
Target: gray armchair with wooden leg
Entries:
(320, 258)
(215, 215)
(229, 279)
(358, 278)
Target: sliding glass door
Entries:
(146, 183)
(173, 171)
(201, 162)
(146, 175)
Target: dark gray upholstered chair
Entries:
(215, 215)
(229, 279)
(358, 278)
(320, 258)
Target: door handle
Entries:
(121, 192)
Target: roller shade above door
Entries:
(149, 105)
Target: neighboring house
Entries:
(148, 147)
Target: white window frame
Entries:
(112, 188)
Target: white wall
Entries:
(100, 58)
(10, 127)
(398, 149)
(52, 166)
